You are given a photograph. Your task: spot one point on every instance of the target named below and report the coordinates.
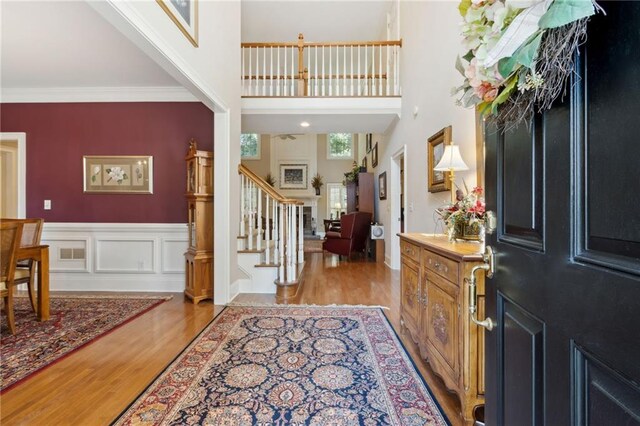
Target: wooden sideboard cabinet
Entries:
(435, 312)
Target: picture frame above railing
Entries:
(185, 15)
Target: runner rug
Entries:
(75, 321)
(293, 365)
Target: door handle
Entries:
(488, 267)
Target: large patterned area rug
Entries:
(75, 321)
(290, 365)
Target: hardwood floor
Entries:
(94, 385)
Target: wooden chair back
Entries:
(10, 235)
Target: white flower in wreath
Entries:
(117, 174)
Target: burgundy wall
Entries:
(58, 135)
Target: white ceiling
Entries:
(67, 44)
(318, 20)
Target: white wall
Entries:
(210, 72)
(431, 42)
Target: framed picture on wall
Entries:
(184, 13)
(382, 186)
(437, 181)
(369, 139)
(118, 174)
(374, 156)
(364, 163)
(293, 176)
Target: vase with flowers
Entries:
(467, 217)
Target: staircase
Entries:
(270, 241)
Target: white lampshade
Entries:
(451, 160)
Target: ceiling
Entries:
(67, 44)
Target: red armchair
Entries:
(354, 230)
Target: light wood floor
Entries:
(94, 385)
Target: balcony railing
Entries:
(337, 69)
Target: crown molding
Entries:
(96, 94)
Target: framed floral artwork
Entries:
(118, 174)
(437, 181)
(184, 13)
(293, 176)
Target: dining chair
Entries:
(26, 269)
(10, 234)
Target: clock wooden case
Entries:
(199, 255)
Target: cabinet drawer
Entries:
(442, 266)
(409, 250)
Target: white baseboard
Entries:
(117, 256)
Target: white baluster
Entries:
(399, 90)
(359, 49)
(309, 76)
(242, 87)
(293, 78)
(284, 74)
(278, 72)
(300, 235)
(243, 194)
(263, 78)
(330, 71)
(344, 82)
(267, 235)
(259, 218)
(388, 69)
(250, 247)
(373, 71)
(316, 80)
(271, 71)
(380, 72)
(274, 234)
(323, 69)
(281, 237)
(292, 240)
(366, 70)
(250, 71)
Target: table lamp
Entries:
(451, 162)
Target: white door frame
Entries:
(21, 139)
(394, 193)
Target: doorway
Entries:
(398, 204)
(13, 165)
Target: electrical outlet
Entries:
(47, 204)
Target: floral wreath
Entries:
(520, 54)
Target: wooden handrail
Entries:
(262, 184)
(313, 77)
(327, 44)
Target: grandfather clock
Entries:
(199, 255)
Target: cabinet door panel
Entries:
(442, 322)
(410, 294)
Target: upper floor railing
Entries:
(337, 69)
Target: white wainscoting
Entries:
(117, 256)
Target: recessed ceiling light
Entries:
(304, 124)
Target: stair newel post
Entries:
(251, 216)
(267, 237)
(281, 237)
(300, 235)
(259, 218)
(243, 194)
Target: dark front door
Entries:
(566, 292)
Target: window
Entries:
(250, 146)
(340, 146)
(337, 200)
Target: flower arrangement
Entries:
(316, 183)
(519, 54)
(467, 217)
(352, 176)
(269, 179)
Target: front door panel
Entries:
(566, 293)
